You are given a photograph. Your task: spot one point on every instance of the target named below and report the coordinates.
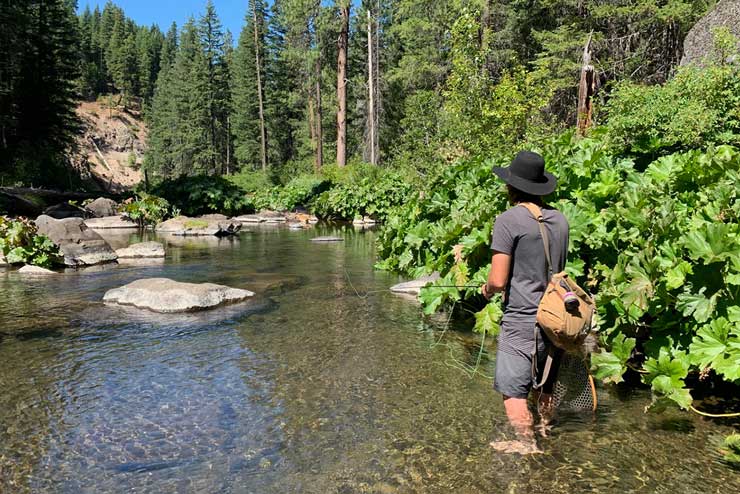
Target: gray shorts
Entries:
(514, 373)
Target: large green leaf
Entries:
(710, 342)
(697, 304)
(610, 366)
(487, 320)
(713, 243)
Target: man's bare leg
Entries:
(520, 419)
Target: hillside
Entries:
(111, 146)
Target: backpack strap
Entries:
(536, 212)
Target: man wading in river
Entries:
(519, 270)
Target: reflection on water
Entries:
(307, 389)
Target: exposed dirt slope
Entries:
(111, 146)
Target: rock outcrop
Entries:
(182, 225)
(80, 245)
(414, 287)
(102, 207)
(143, 250)
(165, 295)
(698, 45)
(111, 223)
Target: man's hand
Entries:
(485, 292)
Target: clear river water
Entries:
(309, 388)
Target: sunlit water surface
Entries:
(311, 388)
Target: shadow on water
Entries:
(307, 388)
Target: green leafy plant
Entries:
(148, 209)
(204, 194)
(20, 243)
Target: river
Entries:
(312, 388)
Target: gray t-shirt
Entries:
(516, 232)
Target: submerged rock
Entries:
(327, 239)
(414, 287)
(102, 207)
(182, 225)
(80, 245)
(111, 223)
(165, 295)
(141, 250)
(35, 271)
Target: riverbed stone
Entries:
(272, 216)
(80, 245)
(166, 295)
(103, 207)
(327, 239)
(414, 287)
(35, 271)
(249, 218)
(364, 221)
(182, 225)
(111, 223)
(141, 250)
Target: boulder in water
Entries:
(327, 239)
(141, 250)
(80, 245)
(35, 271)
(414, 287)
(102, 207)
(165, 295)
(182, 225)
(249, 218)
(111, 223)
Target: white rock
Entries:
(414, 287)
(111, 223)
(327, 239)
(35, 271)
(141, 250)
(165, 295)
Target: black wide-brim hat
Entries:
(527, 173)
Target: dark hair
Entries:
(516, 196)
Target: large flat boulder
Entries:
(102, 207)
(80, 245)
(249, 218)
(111, 223)
(414, 287)
(165, 295)
(203, 226)
(143, 250)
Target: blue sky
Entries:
(163, 12)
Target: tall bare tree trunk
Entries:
(342, 85)
(260, 95)
(317, 121)
(371, 88)
(586, 90)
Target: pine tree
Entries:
(38, 68)
(217, 88)
(246, 122)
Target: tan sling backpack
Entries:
(565, 311)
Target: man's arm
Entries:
(498, 276)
